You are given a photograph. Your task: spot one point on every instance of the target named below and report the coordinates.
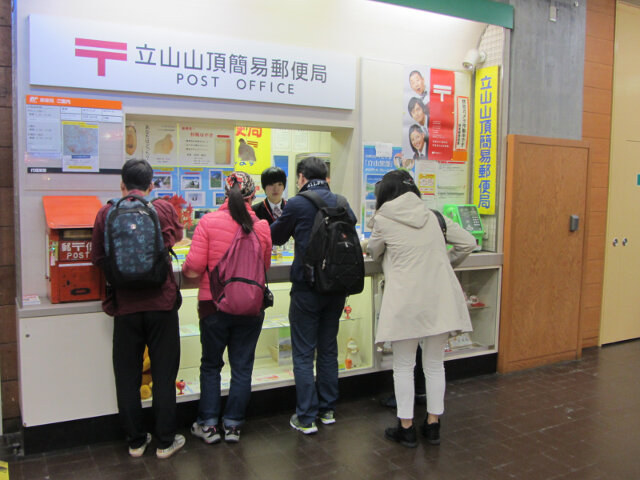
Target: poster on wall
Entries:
(378, 159)
(426, 180)
(155, 142)
(72, 135)
(485, 140)
(165, 182)
(415, 124)
(441, 102)
(197, 145)
(436, 114)
(435, 131)
(253, 149)
(159, 143)
(80, 147)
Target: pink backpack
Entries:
(238, 280)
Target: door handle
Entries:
(574, 223)
(615, 242)
(625, 241)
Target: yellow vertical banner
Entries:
(485, 140)
(252, 149)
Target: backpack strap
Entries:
(442, 222)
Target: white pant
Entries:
(404, 361)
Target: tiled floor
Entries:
(575, 420)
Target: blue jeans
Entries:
(314, 323)
(239, 334)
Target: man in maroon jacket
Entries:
(147, 316)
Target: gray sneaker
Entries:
(327, 417)
(178, 443)
(307, 429)
(232, 434)
(208, 434)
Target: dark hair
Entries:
(312, 168)
(238, 208)
(394, 184)
(137, 174)
(413, 128)
(412, 104)
(415, 72)
(273, 175)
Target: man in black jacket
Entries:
(313, 317)
(274, 181)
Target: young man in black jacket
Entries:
(313, 317)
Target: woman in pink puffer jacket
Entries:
(219, 330)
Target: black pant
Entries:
(419, 381)
(160, 332)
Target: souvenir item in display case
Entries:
(352, 358)
(146, 382)
(281, 352)
(180, 385)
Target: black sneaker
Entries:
(327, 417)
(431, 431)
(307, 429)
(404, 436)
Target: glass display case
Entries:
(480, 282)
(481, 288)
(273, 363)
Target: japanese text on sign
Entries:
(485, 134)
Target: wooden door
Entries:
(542, 276)
(621, 290)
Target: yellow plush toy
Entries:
(147, 384)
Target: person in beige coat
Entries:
(422, 301)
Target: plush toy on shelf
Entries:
(147, 383)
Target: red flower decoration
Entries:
(185, 216)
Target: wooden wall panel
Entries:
(596, 125)
(599, 176)
(599, 24)
(598, 49)
(8, 346)
(598, 85)
(596, 100)
(598, 75)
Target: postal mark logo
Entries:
(102, 51)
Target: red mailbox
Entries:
(72, 277)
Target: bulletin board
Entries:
(416, 100)
(72, 135)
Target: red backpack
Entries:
(238, 280)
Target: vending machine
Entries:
(71, 275)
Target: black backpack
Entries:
(135, 253)
(333, 262)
